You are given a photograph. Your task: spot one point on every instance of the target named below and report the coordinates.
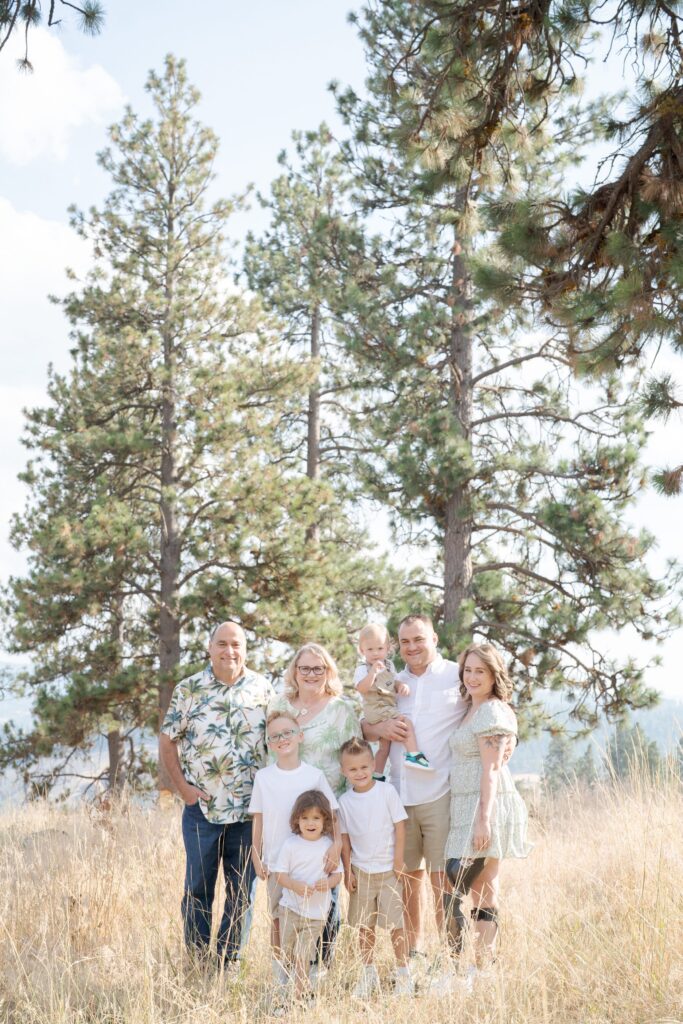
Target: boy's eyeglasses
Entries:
(311, 670)
(287, 734)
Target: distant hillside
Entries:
(663, 724)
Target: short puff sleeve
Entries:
(495, 718)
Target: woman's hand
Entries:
(482, 835)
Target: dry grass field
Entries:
(592, 925)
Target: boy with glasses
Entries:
(276, 789)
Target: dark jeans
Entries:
(328, 939)
(206, 845)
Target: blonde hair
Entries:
(374, 627)
(493, 659)
(333, 685)
(283, 714)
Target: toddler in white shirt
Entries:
(300, 870)
(375, 680)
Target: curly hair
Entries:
(333, 685)
(493, 659)
(312, 799)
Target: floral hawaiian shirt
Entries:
(221, 732)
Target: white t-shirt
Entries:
(274, 795)
(435, 708)
(363, 668)
(302, 860)
(368, 819)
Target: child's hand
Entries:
(332, 858)
(322, 885)
(378, 666)
(350, 881)
(303, 890)
(402, 689)
(259, 867)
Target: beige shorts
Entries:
(274, 895)
(427, 829)
(376, 713)
(378, 900)
(299, 935)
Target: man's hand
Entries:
(331, 861)
(394, 729)
(350, 881)
(402, 689)
(193, 794)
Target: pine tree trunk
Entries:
(169, 620)
(114, 736)
(458, 526)
(313, 440)
(116, 773)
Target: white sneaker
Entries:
(316, 975)
(403, 984)
(367, 983)
(449, 981)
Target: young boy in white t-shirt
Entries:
(276, 789)
(372, 821)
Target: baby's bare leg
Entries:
(410, 742)
(381, 756)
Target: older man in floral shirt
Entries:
(212, 742)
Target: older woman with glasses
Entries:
(313, 693)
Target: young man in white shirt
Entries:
(435, 708)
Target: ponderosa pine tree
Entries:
(23, 15)
(299, 267)
(183, 392)
(482, 441)
(603, 261)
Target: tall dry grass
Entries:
(591, 930)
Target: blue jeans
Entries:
(206, 845)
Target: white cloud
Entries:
(40, 111)
(33, 257)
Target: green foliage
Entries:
(152, 507)
(483, 446)
(23, 15)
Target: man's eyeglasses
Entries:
(286, 734)
(311, 670)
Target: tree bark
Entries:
(313, 438)
(169, 618)
(458, 525)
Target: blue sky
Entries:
(263, 71)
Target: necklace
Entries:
(306, 711)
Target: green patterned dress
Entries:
(509, 814)
(324, 735)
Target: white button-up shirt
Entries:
(435, 708)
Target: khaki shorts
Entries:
(378, 900)
(427, 829)
(376, 713)
(299, 935)
(274, 894)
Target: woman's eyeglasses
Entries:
(311, 670)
